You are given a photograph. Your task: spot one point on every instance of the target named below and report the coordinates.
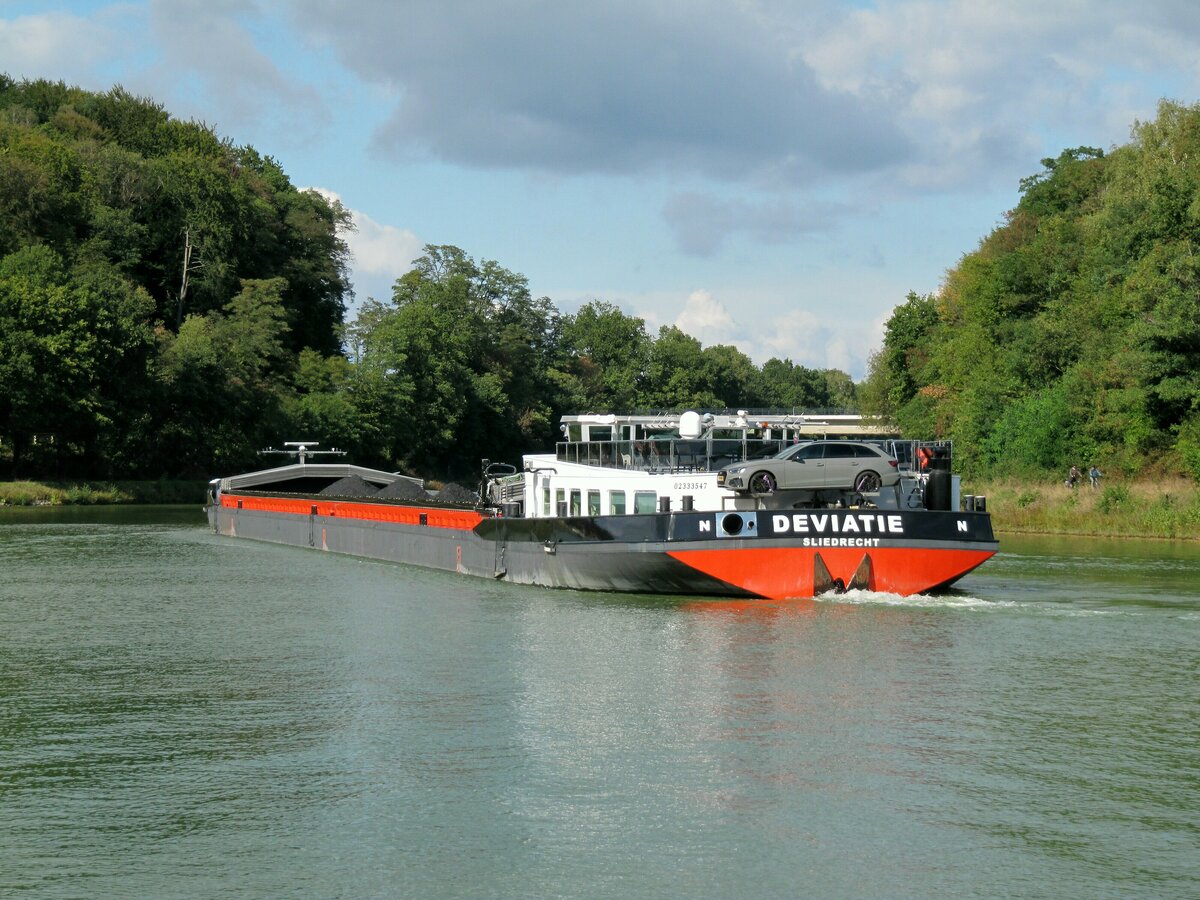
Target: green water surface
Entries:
(188, 715)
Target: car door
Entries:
(842, 465)
(805, 469)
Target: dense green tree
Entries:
(1071, 333)
(114, 175)
(71, 344)
(899, 368)
(462, 356)
(170, 302)
(41, 190)
(730, 376)
(1065, 183)
(326, 408)
(673, 374)
(786, 385)
(150, 221)
(608, 353)
(840, 390)
(226, 378)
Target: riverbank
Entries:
(1160, 509)
(1169, 508)
(88, 493)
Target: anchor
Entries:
(824, 582)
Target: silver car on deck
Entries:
(815, 466)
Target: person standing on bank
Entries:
(1074, 476)
(1094, 475)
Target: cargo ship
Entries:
(645, 504)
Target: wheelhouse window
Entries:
(560, 502)
(645, 502)
(598, 433)
(593, 503)
(576, 503)
(616, 503)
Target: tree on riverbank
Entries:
(121, 230)
(1072, 334)
(170, 303)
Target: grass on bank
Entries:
(53, 493)
(1168, 508)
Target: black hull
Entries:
(689, 553)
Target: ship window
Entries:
(593, 503)
(546, 500)
(576, 503)
(560, 502)
(616, 503)
(645, 502)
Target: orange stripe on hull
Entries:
(783, 573)
(458, 519)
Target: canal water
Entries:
(187, 715)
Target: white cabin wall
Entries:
(543, 469)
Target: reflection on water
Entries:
(184, 714)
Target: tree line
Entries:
(170, 303)
(1071, 335)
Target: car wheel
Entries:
(868, 483)
(762, 483)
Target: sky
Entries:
(772, 174)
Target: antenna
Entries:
(302, 451)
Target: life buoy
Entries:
(923, 457)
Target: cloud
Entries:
(55, 45)
(902, 95)
(767, 322)
(204, 59)
(818, 342)
(827, 339)
(702, 222)
(985, 87)
(380, 253)
(796, 334)
(383, 249)
(618, 87)
(702, 315)
(212, 66)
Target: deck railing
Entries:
(674, 455)
(670, 455)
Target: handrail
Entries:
(666, 455)
(675, 455)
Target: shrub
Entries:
(1113, 498)
(1188, 446)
